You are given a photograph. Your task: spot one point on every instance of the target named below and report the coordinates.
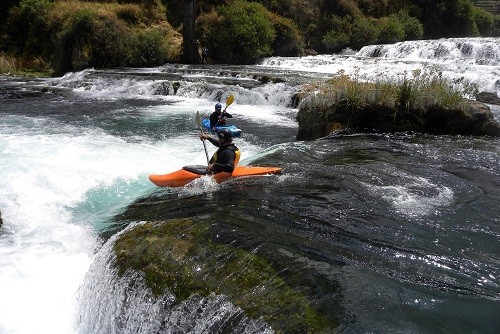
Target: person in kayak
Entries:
(218, 117)
(227, 156)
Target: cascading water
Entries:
(110, 303)
(469, 61)
(401, 230)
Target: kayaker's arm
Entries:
(214, 142)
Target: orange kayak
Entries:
(187, 174)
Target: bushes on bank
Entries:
(358, 31)
(288, 40)
(148, 46)
(26, 28)
(73, 35)
(239, 33)
(484, 21)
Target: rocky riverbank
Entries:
(319, 119)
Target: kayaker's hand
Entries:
(203, 136)
(210, 167)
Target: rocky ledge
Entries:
(469, 118)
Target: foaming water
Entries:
(411, 195)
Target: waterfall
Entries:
(113, 304)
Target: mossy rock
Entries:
(183, 257)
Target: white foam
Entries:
(46, 250)
(415, 196)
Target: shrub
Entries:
(412, 27)
(288, 41)
(484, 21)
(26, 27)
(244, 33)
(338, 37)
(88, 38)
(148, 47)
(336, 40)
(364, 32)
(495, 30)
(390, 30)
(354, 32)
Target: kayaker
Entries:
(227, 156)
(218, 117)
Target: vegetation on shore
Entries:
(74, 35)
(69, 35)
(36, 67)
(417, 91)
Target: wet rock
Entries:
(267, 79)
(176, 86)
(296, 98)
(487, 97)
(190, 259)
(469, 118)
(1, 221)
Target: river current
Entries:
(391, 233)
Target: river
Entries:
(394, 233)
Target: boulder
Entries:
(487, 97)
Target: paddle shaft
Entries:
(198, 122)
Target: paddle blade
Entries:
(230, 100)
(198, 119)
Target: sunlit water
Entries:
(405, 226)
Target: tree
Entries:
(190, 54)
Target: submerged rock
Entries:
(470, 118)
(189, 259)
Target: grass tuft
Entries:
(417, 93)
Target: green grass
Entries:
(36, 67)
(416, 92)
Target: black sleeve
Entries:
(225, 161)
(227, 115)
(214, 142)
